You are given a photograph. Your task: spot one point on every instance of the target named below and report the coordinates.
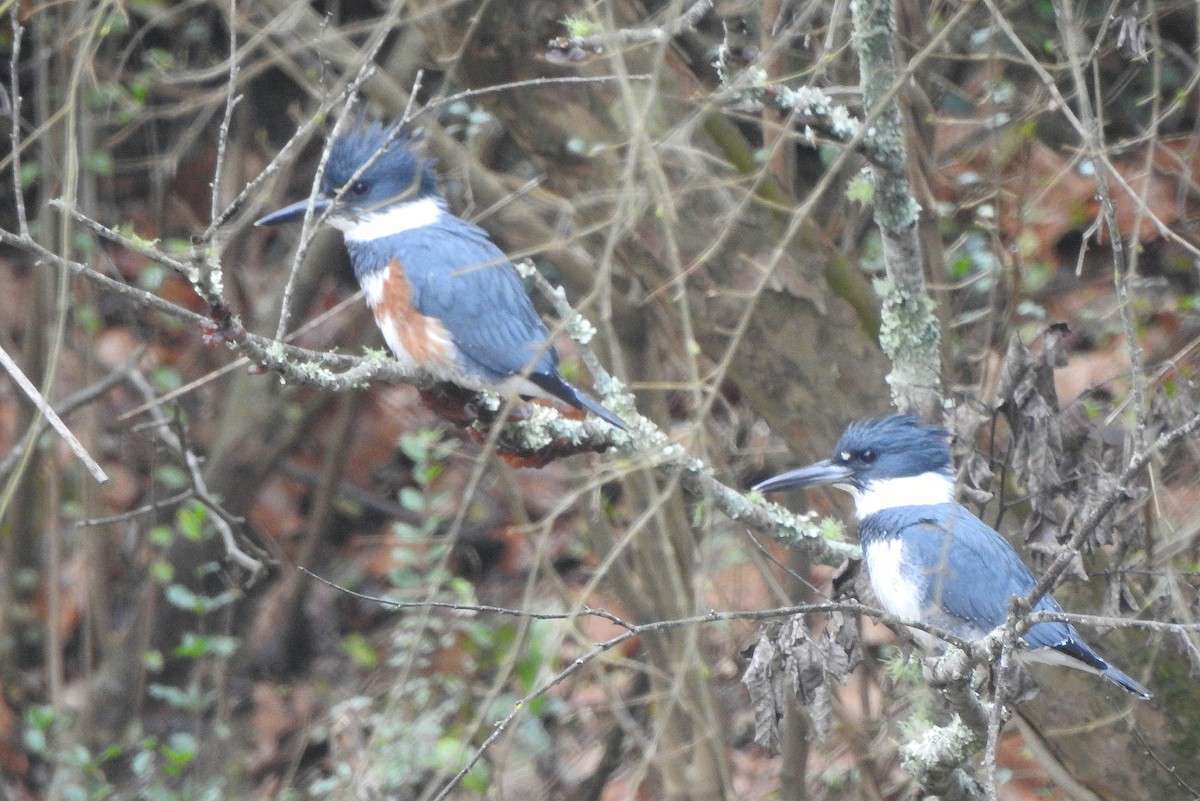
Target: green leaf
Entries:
(181, 597)
(114, 22)
(415, 446)
(101, 164)
(180, 752)
(192, 699)
(162, 571)
(142, 764)
(152, 276)
(161, 535)
(153, 660)
(74, 792)
(360, 650)
(427, 474)
(167, 378)
(160, 58)
(40, 717)
(30, 172)
(412, 499)
(36, 741)
(195, 646)
(450, 754)
(171, 476)
(190, 519)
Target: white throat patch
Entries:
(923, 490)
(393, 220)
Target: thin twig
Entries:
(468, 94)
(1063, 107)
(309, 225)
(286, 153)
(1104, 621)
(64, 408)
(47, 411)
(596, 43)
(695, 476)
(15, 86)
(849, 607)
(1107, 503)
(298, 365)
(640, 630)
(996, 717)
(585, 611)
(222, 520)
(231, 101)
(149, 508)
(241, 361)
(1092, 135)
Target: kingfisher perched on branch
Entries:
(928, 558)
(447, 300)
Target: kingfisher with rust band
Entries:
(447, 300)
(929, 559)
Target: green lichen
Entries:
(580, 329)
(924, 751)
(911, 337)
(275, 353)
(579, 27)
(535, 432)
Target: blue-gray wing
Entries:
(459, 276)
(968, 577)
(968, 574)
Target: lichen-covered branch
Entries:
(915, 379)
(532, 437)
(910, 335)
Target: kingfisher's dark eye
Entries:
(868, 455)
(359, 188)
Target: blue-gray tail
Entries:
(1081, 655)
(557, 386)
(1125, 682)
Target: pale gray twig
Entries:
(64, 408)
(1106, 504)
(47, 412)
(15, 132)
(221, 520)
(595, 43)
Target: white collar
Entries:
(926, 489)
(391, 220)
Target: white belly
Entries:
(897, 595)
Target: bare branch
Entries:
(1117, 493)
(63, 408)
(573, 49)
(15, 131)
(911, 334)
(222, 520)
(47, 411)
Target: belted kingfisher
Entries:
(928, 558)
(446, 298)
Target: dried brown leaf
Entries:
(789, 662)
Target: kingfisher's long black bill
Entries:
(823, 472)
(293, 212)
